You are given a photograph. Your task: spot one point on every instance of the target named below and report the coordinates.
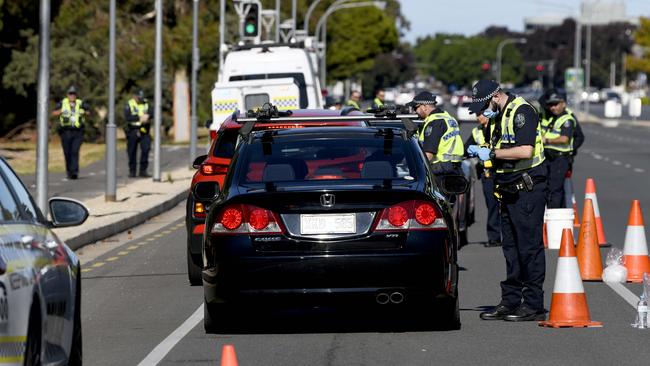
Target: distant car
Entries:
(214, 166)
(462, 112)
(40, 279)
(331, 214)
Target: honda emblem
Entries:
(327, 200)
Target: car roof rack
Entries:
(250, 46)
(270, 113)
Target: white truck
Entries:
(283, 75)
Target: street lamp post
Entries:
(195, 70)
(322, 24)
(310, 10)
(500, 52)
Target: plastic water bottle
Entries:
(642, 314)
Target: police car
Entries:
(40, 293)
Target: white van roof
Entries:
(267, 60)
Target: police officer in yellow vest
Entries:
(439, 136)
(355, 100)
(138, 114)
(72, 114)
(517, 153)
(558, 147)
(481, 136)
(378, 102)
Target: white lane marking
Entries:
(161, 350)
(628, 166)
(597, 157)
(639, 170)
(616, 162)
(624, 292)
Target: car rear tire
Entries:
(34, 336)
(462, 238)
(193, 270)
(76, 355)
(449, 311)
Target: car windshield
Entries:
(338, 158)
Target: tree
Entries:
(641, 63)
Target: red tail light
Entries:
(212, 169)
(245, 219)
(213, 134)
(411, 215)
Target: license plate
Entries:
(328, 224)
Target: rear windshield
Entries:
(226, 141)
(292, 160)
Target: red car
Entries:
(214, 166)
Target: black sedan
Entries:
(339, 213)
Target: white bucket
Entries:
(557, 219)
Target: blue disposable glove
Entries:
(472, 149)
(483, 153)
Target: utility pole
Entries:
(577, 57)
(158, 92)
(588, 65)
(111, 128)
(42, 112)
(222, 32)
(294, 15)
(277, 21)
(195, 70)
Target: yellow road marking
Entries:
(158, 236)
(151, 239)
(98, 264)
(123, 252)
(112, 259)
(143, 243)
(166, 232)
(84, 270)
(132, 247)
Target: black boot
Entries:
(144, 174)
(499, 313)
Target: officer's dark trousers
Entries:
(522, 217)
(493, 219)
(133, 138)
(557, 167)
(71, 140)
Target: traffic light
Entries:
(539, 67)
(485, 66)
(252, 21)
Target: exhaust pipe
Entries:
(396, 297)
(382, 298)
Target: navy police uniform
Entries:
(137, 133)
(520, 187)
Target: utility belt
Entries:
(70, 128)
(523, 183)
(553, 154)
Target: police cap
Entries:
(140, 94)
(482, 92)
(422, 98)
(555, 96)
(72, 90)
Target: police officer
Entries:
(138, 114)
(558, 147)
(380, 96)
(517, 153)
(355, 100)
(439, 136)
(72, 113)
(481, 136)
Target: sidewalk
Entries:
(138, 199)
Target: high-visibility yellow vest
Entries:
(377, 102)
(352, 103)
(138, 109)
(545, 121)
(555, 131)
(477, 134)
(508, 138)
(69, 117)
(450, 147)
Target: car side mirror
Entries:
(454, 184)
(206, 191)
(198, 161)
(67, 212)
(208, 123)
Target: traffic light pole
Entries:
(42, 107)
(111, 128)
(195, 70)
(158, 93)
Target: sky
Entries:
(469, 17)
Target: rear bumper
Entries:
(329, 278)
(196, 239)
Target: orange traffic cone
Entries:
(591, 264)
(636, 248)
(569, 302)
(590, 192)
(228, 357)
